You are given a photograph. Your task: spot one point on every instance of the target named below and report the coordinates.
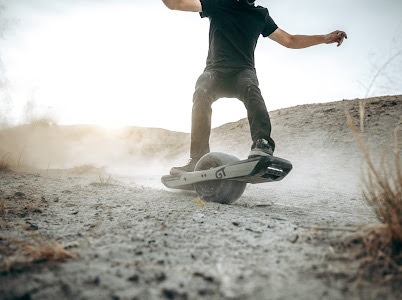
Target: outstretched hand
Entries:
(336, 37)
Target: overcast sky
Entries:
(135, 62)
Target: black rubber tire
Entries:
(221, 191)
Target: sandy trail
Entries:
(135, 241)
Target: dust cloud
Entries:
(130, 150)
(315, 138)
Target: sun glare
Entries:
(105, 65)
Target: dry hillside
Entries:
(83, 214)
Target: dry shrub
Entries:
(27, 254)
(383, 193)
(5, 163)
(107, 180)
(104, 181)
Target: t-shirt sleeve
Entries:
(270, 26)
(205, 8)
(210, 7)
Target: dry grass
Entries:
(19, 205)
(377, 253)
(2, 206)
(383, 184)
(26, 254)
(32, 206)
(86, 168)
(42, 121)
(383, 193)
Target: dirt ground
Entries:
(83, 214)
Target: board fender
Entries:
(253, 170)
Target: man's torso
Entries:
(234, 32)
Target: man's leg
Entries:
(258, 117)
(203, 98)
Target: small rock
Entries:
(264, 204)
(199, 218)
(161, 277)
(133, 278)
(32, 226)
(173, 294)
(255, 230)
(19, 194)
(74, 244)
(293, 238)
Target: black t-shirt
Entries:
(234, 32)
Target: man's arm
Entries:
(303, 41)
(184, 5)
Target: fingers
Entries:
(336, 36)
(339, 39)
(340, 36)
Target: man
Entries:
(235, 26)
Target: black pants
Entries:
(214, 84)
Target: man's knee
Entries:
(202, 97)
(251, 92)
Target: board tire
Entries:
(221, 191)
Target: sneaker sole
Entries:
(174, 171)
(255, 153)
